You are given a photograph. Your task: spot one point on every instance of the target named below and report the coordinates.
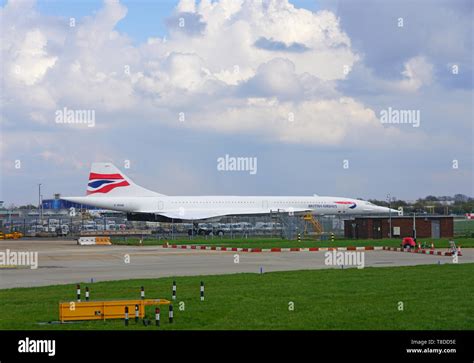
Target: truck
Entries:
(206, 229)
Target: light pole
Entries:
(389, 217)
(39, 202)
(414, 225)
(10, 219)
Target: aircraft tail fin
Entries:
(106, 180)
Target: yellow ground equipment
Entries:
(101, 310)
(317, 227)
(13, 235)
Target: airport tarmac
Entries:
(63, 261)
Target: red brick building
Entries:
(379, 227)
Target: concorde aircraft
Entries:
(109, 188)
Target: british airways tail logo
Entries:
(351, 205)
(104, 183)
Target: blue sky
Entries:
(145, 18)
(298, 85)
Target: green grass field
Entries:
(259, 242)
(464, 227)
(434, 297)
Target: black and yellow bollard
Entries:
(136, 313)
(87, 293)
(142, 292)
(202, 290)
(299, 237)
(174, 290)
(126, 315)
(332, 237)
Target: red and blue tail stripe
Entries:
(104, 183)
(352, 204)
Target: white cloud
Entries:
(185, 71)
(324, 122)
(212, 75)
(188, 6)
(417, 72)
(275, 78)
(233, 28)
(30, 61)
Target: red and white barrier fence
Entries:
(431, 251)
(425, 251)
(274, 249)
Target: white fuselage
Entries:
(109, 188)
(239, 204)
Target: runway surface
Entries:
(63, 261)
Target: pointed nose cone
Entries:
(385, 210)
(389, 211)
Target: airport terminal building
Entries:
(379, 227)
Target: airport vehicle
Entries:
(109, 188)
(53, 223)
(236, 227)
(89, 227)
(242, 227)
(206, 229)
(268, 226)
(13, 235)
(110, 225)
(408, 242)
(35, 228)
(224, 227)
